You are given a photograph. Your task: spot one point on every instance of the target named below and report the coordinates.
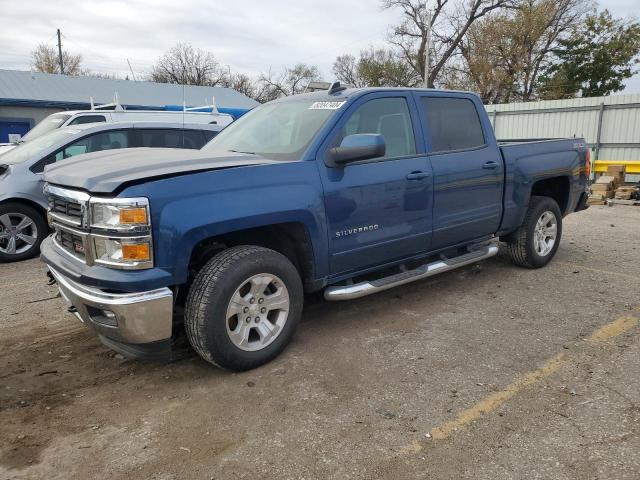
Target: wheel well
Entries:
(290, 239)
(30, 203)
(556, 188)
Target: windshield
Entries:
(278, 131)
(50, 123)
(25, 151)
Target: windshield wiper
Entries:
(247, 153)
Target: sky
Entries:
(247, 36)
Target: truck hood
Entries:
(105, 172)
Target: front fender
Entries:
(188, 209)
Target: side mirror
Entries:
(360, 146)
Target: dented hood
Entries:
(105, 172)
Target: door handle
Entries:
(417, 175)
(490, 165)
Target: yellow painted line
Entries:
(608, 272)
(495, 400)
(613, 329)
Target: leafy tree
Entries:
(504, 54)
(45, 59)
(450, 22)
(375, 68)
(595, 59)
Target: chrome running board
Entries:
(357, 290)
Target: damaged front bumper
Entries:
(135, 324)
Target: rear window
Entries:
(88, 119)
(453, 124)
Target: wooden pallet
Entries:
(615, 201)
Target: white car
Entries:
(79, 117)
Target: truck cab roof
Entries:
(353, 93)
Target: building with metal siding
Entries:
(611, 125)
(28, 97)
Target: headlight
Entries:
(121, 232)
(123, 252)
(124, 215)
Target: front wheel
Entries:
(243, 307)
(535, 243)
(22, 229)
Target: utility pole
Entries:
(427, 47)
(60, 53)
(132, 74)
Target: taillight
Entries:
(587, 163)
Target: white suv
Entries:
(79, 117)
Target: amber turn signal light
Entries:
(136, 252)
(133, 215)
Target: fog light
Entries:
(103, 317)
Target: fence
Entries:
(610, 125)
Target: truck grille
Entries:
(67, 212)
(66, 207)
(71, 242)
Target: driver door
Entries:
(378, 210)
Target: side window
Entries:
(158, 138)
(453, 123)
(87, 119)
(208, 135)
(95, 143)
(193, 139)
(388, 117)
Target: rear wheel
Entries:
(22, 229)
(243, 307)
(535, 243)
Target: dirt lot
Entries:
(489, 372)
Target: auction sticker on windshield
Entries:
(326, 105)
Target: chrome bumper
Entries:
(135, 318)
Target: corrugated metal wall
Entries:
(611, 125)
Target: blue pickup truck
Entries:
(349, 191)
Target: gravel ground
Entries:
(487, 372)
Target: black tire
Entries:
(209, 297)
(520, 244)
(13, 210)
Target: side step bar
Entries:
(357, 290)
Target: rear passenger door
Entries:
(467, 169)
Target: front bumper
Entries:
(120, 318)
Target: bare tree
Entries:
(45, 59)
(345, 68)
(375, 68)
(290, 81)
(186, 65)
(450, 22)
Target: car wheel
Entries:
(535, 243)
(22, 229)
(243, 307)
